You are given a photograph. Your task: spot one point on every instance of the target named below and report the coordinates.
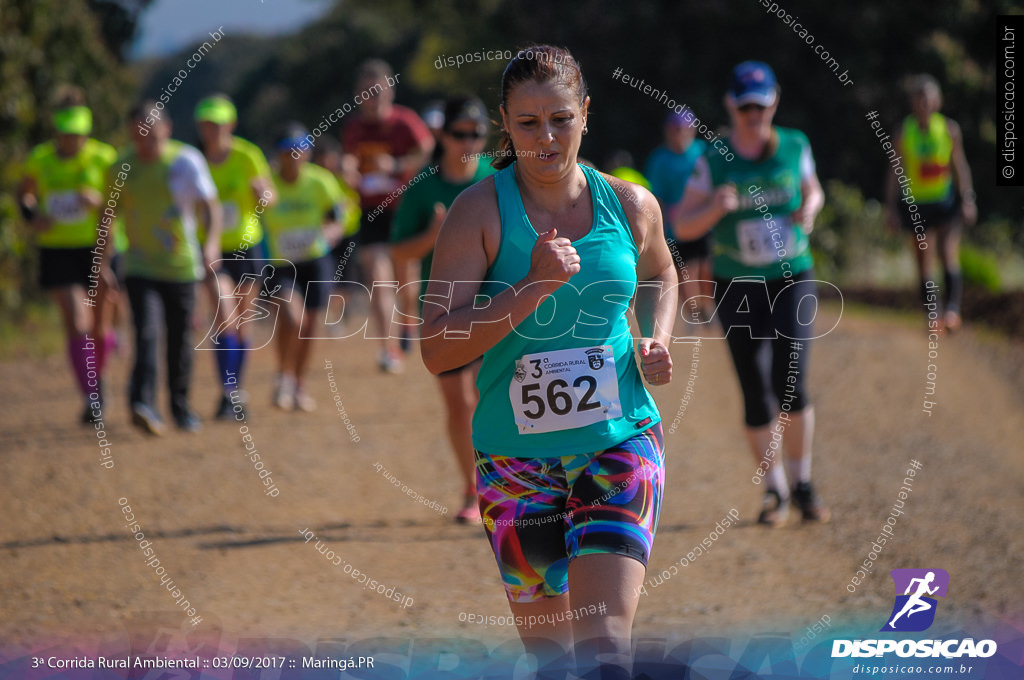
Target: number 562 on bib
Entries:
(564, 389)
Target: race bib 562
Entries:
(564, 389)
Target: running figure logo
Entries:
(244, 305)
(914, 610)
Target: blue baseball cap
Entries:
(753, 82)
(674, 118)
(291, 135)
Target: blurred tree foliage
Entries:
(686, 48)
(43, 44)
(119, 22)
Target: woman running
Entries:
(328, 155)
(343, 256)
(413, 234)
(301, 228)
(760, 207)
(931, 210)
(569, 446)
(168, 195)
(242, 176)
(390, 145)
(669, 168)
(60, 196)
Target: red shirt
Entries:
(398, 135)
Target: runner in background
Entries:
(669, 168)
(343, 257)
(762, 206)
(60, 196)
(391, 144)
(168, 184)
(242, 176)
(932, 148)
(570, 452)
(413, 235)
(433, 117)
(620, 164)
(301, 228)
(329, 155)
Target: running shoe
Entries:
(304, 402)
(224, 411)
(952, 321)
(146, 419)
(774, 509)
(390, 363)
(470, 512)
(90, 418)
(188, 421)
(284, 393)
(812, 509)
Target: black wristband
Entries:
(28, 213)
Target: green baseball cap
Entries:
(216, 110)
(74, 120)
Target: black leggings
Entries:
(150, 300)
(769, 332)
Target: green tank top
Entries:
(929, 158)
(759, 237)
(160, 244)
(58, 181)
(565, 380)
(233, 177)
(295, 224)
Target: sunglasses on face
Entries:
(751, 107)
(462, 135)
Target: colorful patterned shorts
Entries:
(541, 513)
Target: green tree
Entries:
(45, 43)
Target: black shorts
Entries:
(237, 268)
(343, 259)
(931, 215)
(685, 251)
(115, 266)
(312, 281)
(375, 228)
(472, 365)
(63, 267)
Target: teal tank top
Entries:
(565, 380)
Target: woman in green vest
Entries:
(534, 269)
(300, 228)
(413, 234)
(935, 199)
(61, 195)
(760, 207)
(242, 175)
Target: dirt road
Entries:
(69, 567)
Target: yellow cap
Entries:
(216, 110)
(74, 120)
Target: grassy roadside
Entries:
(35, 334)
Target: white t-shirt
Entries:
(190, 181)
